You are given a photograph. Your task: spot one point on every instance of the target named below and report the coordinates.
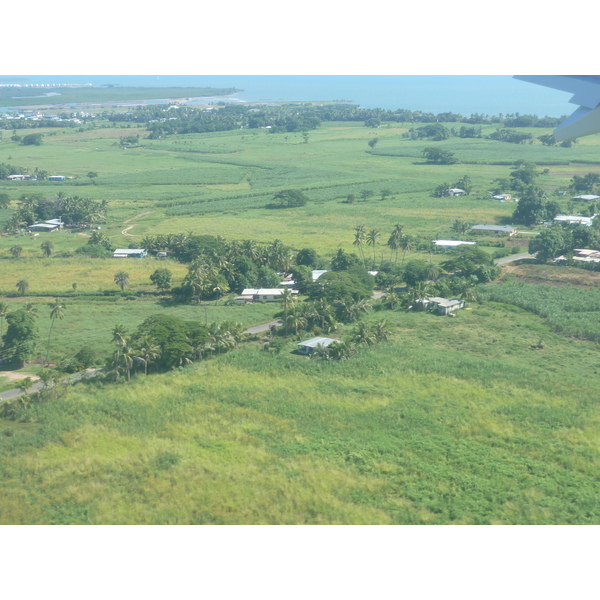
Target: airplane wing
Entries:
(586, 93)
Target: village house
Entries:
(130, 253)
(456, 192)
(442, 306)
(574, 220)
(261, 295)
(309, 346)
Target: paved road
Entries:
(264, 326)
(513, 257)
(10, 394)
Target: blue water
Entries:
(463, 94)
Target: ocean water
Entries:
(462, 94)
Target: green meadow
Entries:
(469, 420)
(452, 421)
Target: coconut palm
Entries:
(57, 312)
(296, 320)
(122, 279)
(22, 286)
(406, 244)
(372, 239)
(359, 239)
(288, 301)
(47, 248)
(119, 338)
(394, 240)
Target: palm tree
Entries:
(394, 240)
(57, 312)
(297, 321)
(288, 301)
(22, 286)
(47, 377)
(120, 339)
(122, 279)
(16, 251)
(359, 239)
(406, 243)
(363, 334)
(372, 239)
(4, 310)
(47, 248)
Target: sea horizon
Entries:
(462, 94)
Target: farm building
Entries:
(318, 272)
(309, 346)
(442, 306)
(499, 229)
(583, 255)
(574, 220)
(56, 178)
(261, 295)
(586, 198)
(503, 197)
(130, 253)
(447, 244)
(52, 225)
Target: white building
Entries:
(130, 253)
(261, 295)
(574, 220)
(309, 346)
(450, 243)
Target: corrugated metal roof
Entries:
(317, 341)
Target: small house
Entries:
(318, 272)
(130, 253)
(261, 295)
(309, 346)
(56, 178)
(442, 306)
(44, 227)
(456, 192)
(503, 197)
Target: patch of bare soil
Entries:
(16, 376)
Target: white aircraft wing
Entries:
(586, 93)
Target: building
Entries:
(56, 178)
(573, 220)
(130, 253)
(503, 197)
(261, 295)
(586, 198)
(309, 346)
(499, 229)
(44, 226)
(447, 244)
(456, 192)
(442, 306)
(318, 272)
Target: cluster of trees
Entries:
(442, 190)
(164, 342)
(162, 121)
(72, 210)
(20, 341)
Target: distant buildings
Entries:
(261, 295)
(586, 198)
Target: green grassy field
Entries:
(451, 421)
(461, 421)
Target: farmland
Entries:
(487, 418)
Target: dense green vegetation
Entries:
(489, 417)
